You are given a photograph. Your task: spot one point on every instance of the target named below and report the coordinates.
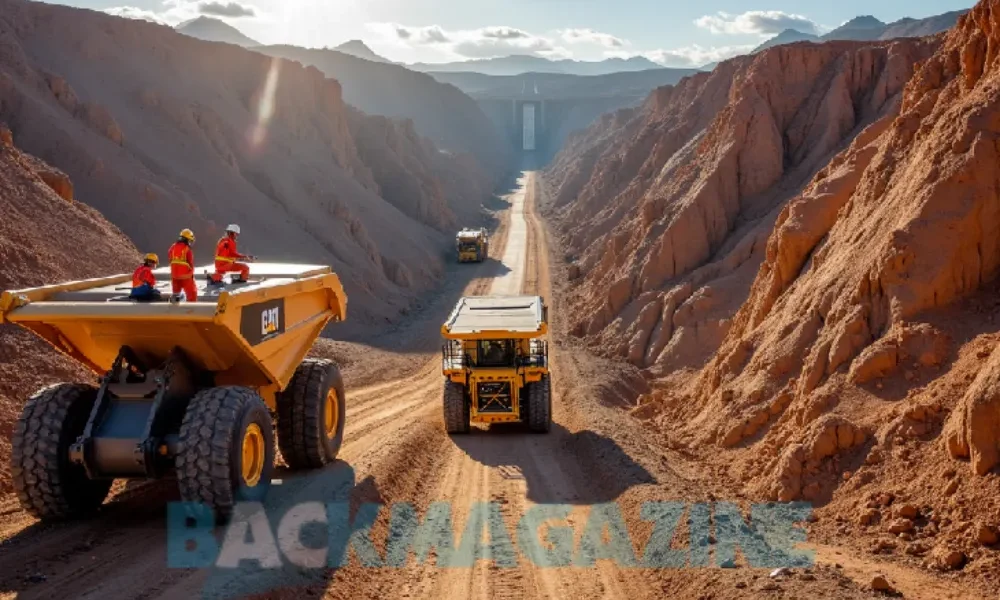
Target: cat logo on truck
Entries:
(263, 321)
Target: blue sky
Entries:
(673, 33)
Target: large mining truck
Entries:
(472, 245)
(496, 364)
(183, 388)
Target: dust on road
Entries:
(396, 451)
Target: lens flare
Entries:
(265, 106)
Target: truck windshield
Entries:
(495, 353)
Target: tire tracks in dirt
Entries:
(395, 450)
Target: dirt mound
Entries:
(160, 131)
(974, 429)
(666, 209)
(43, 238)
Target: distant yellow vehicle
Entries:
(472, 245)
(496, 364)
(186, 387)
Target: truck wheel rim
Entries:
(330, 416)
(253, 454)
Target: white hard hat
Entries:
(233, 227)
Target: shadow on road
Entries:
(554, 465)
(332, 493)
(147, 529)
(421, 321)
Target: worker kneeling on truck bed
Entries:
(182, 266)
(226, 257)
(143, 280)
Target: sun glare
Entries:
(265, 106)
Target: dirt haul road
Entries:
(410, 490)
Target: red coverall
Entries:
(226, 256)
(143, 275)
(144, 285)
(182, 270)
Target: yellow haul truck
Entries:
(187, 388)
(472, 245)
(495, 363)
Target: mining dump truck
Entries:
(472, 245)
(183, 388)
(495, 363)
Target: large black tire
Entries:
(211, 450)
(48, 484)
(540, 406)
(310, 429)
(456, 408)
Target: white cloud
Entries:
(695, 55)
(431, 34)
(174, 12)
(226, 9)
(498, 40)
(759, 22)
(607, 40)
(131, 12)
(505, 33)
(484, 42)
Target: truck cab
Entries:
(472, 245)
(496, 363)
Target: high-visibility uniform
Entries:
(182, 270)
(226, 256)
(144, 284)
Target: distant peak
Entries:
(864, 21)
(202, 20)
(354, 45)
(359, 49)
(215, 30)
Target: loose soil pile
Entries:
(45, 236)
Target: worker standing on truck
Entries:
(182, 266)
(143, 280)
(226, 257)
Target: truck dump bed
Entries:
(253, 333)
(471, 234)
(486, 317)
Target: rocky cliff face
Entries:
(905, 221)
(440, 112)
(666, 209)
(846, 305)
(160, 131)
(45, 236)
(432, 187)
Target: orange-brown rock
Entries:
(43, 239)
(973, 430)
(53, 177)
(667, 209)
(913, 226)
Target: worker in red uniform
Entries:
(143, 280)
(182, 266)
(227, 257)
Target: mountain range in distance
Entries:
(518, 64)
(860, 28)
(216, 30)
(868, 28)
